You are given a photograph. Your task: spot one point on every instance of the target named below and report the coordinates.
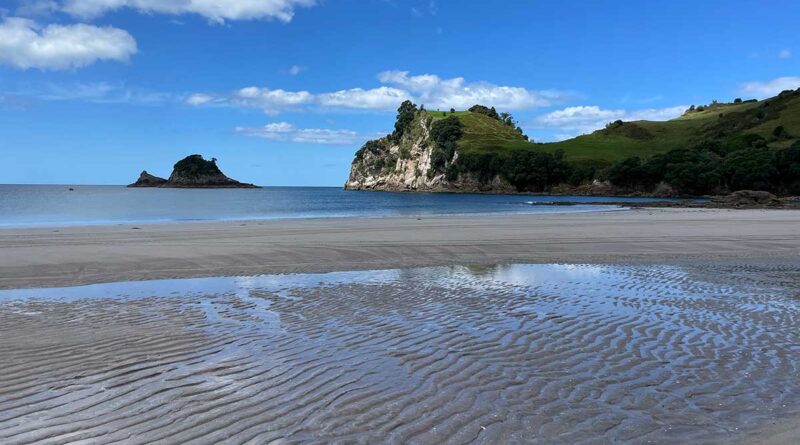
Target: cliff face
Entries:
(405, 163)
(192, 172)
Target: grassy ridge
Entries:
(484, 134)
(642, 138)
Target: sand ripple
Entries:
(493, 355)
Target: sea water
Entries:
(49, 205)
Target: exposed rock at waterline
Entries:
(192, 172)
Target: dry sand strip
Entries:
(46, 257)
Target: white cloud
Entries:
(584, 118)
(762, 90)
(24, 44)
(382, 98)
(214, 10)
(426, 89)
(286, 132)
(435, 92)
(92, 92)
(270, 101)
(37, 8)
(296, 69)
(199, 99)
(656, 114)
(572, 121)
(265, 96)
(785, 54)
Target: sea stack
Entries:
(192, 172)
(148, 180)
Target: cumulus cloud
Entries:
(579, 118)
(770, 88)
(286, 132)
(382, 98)
(572, 121)
(25, 44)
(435, 92)
(296, 69)
(214, 10)
(656, 114)
(427, 89)
(270, 100)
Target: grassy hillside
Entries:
(483, 134)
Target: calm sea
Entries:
(51, 205)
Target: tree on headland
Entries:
(405, 115)
(445, 134)
(491, 112)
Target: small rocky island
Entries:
(192, 172)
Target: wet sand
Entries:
(41, 257)
(691, 338)
(700, 354)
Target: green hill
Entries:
(710, 149)
(622, 140)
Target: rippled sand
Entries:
(494, 355)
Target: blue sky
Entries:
(283, 92)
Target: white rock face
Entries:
(397, 165)
(404, 165)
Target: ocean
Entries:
(62, 205)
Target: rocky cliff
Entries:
(413, 158)
(192, 172)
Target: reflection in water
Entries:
(504, 354)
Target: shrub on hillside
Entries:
(445, 133)
(750, 169)
(536, 170)
(491, 112)
(787, 161)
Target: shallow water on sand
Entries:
(504, 354)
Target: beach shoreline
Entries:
(78, 255)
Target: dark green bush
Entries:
(750, 169)
(405, 115)
(787, 161)
(445, 133)
(491, 112)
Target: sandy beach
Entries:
(661, 326)
(555, 354)
(47, 257)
